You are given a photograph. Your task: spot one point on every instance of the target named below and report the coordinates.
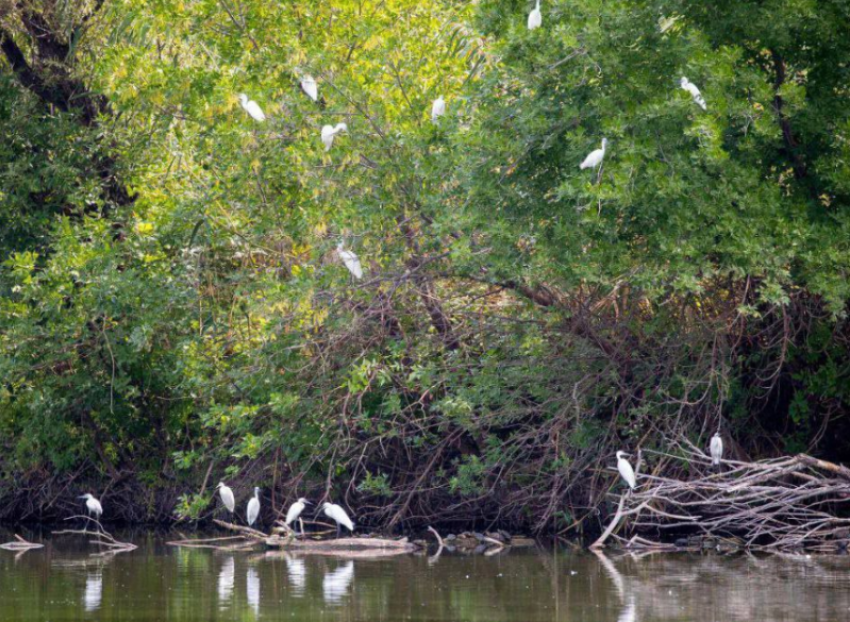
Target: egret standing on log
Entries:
(328, 133)
(535, 18)
(716, 448)
(308, 84)
(227, 498)
(351, 261)
(93, 505)
(294, 513)
(595, 157)
(438, 109)
(626, 470)
(252, 108)
(338, 515)
(691, 88)
(254, 508)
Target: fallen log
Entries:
(342, 544)
(19, 544)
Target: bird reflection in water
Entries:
(94, 591)
(297, 572)
(252, 587)
(336, 583)
(226, 580)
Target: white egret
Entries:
(438, 109)
(335, 584)
(252, 108)
(691, 88)
(329, 132)
(294, 513)
(535, 18)
(308, 84)
(93, 505)
(595, 157)
(351, 261)
(626, 470)
(716, 448)
(227, 497)
(338, 515)
(253, 507)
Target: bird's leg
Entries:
(337, 531)
(301, 523)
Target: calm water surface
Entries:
(164, 584)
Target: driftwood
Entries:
(101, 538)
(19, 544)
(784, 504)
(342, 544)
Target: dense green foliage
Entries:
(174, 310)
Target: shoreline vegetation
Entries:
(431, 260)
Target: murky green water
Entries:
(165, 584)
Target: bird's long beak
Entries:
(81, 497)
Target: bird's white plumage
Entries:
(329, 132)
(595, 157)
(295, 511)
(438, 108)
(337, 514)
(535, 18)
(308, 84)
(252, 108)
(626, 470)
(93, 505)
(691, 88)
(253, 507)
(716, 448)
(227, 497)
(351, 261)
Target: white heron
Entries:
(691, 88)
(338, 515)
(626, 470)
(252, 108)
(535, 18)
(351, 261)
(93, 505)
(253, 507)
(595, 157)
(308, 84)
(438, 109)
(294, 513)
(227, 497)
(716, 448)
(329, 132)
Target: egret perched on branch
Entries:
(595, 157)
(254, 507)
(226, 497)
(252, 108)
(294, 513)
(338, 515)
(328, 133)
(691, 88)
(351, 261)
(535, 18)
(626, 470)
(93, 505)
(716, 448)
(308, 84)
(438, 109)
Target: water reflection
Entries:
(297, 572)
(226, 581)
(252, 588)
(335, 584)
(94, 590)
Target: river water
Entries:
(158, 583)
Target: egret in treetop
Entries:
(253, 507)
(626, 470)
(595, 157)
(535, 18)
(716, 448)
(308, 84)
(338, 515)
(93, 505)
(252, 108)
(294, 513)
(328, 133)
(351, 261)
(691, 88)
(438, 109)
(227, 498)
